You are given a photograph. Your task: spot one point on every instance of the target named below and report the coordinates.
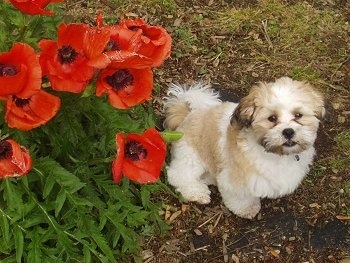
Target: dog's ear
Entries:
(322, 108)
(325, 112)
(244, 113)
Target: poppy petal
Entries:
(128, 59)
(70, 85)
(139, 175)
(95, 41)
(117, 165)
(33, 7)
(20, 71)
(155, 41)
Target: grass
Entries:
(342, 162)
(292, 36)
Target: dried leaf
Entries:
(342, 217)
(274, 252)
(174, 216)
(197, 232)
(235, 259)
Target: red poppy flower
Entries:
(26, 114)
(122, 49)
(34, 7)
(139, 157)
(155, 41)
(119, 47)
(20, 72)
(125, 87)
(64, 61)
(14, 159)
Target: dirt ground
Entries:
(310, 225)
(306, 226)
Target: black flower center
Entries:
(20, 103)
(5, 150)
(135, 151)
(134, 28)
(67, 54)
(120, 79)
(112, 45)
(7, 70)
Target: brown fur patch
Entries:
(202, 132)
(238, 163)
(175, 115)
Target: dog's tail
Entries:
(181, 99)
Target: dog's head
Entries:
(283, 115)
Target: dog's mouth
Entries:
(289, 143)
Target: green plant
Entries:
(67, 208)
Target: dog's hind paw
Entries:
(200, 195)
(249, 212)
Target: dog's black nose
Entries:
(288, 133)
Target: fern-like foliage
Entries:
(67, 209)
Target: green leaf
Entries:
(34, 251)
(60, 200)
(4, 226)
(49, 183)
(89, 90)
(171, 136)
(145, 196)
(98, 238)
(13, 195)
(87, 254)
(19, 241)
(50, 168)
(103, 245)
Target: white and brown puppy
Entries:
(261, 147)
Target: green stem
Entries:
(167, 189)
(10, 218)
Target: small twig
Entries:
(339, 67)
(266, 35)
(343, 217)
(224, 251)
(201, 248)
(182, 254)
(217, 220)
(207, 221)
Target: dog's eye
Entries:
(298, 115)
(272, 118)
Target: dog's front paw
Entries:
(200, 195)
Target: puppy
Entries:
(261, 147)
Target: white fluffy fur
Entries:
(198, 96)
(236, 147)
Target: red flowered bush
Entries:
(80, 157)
